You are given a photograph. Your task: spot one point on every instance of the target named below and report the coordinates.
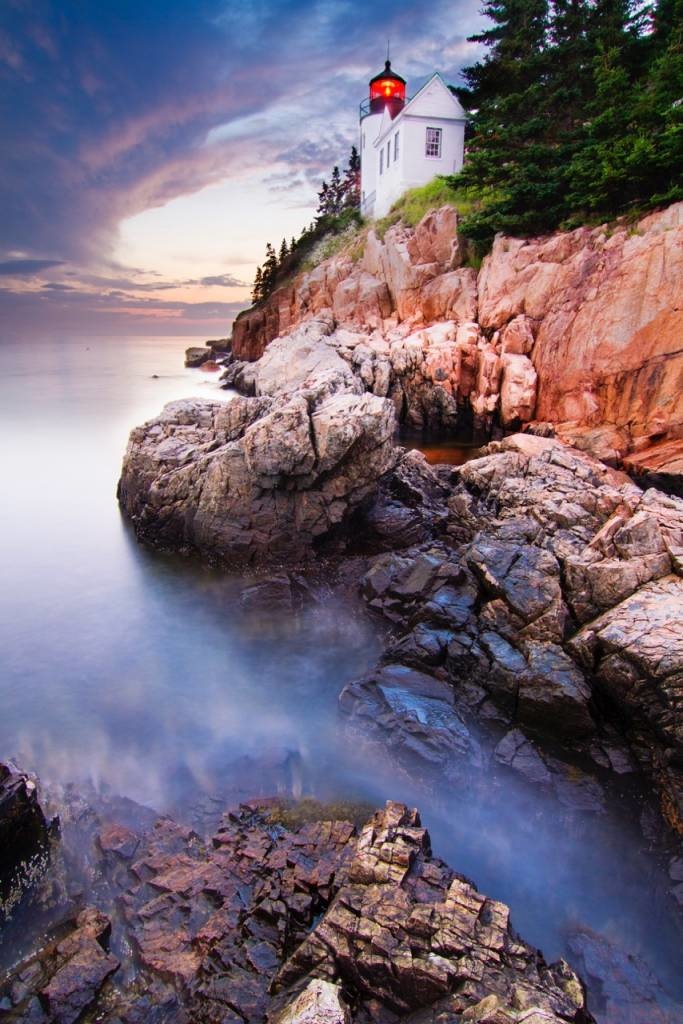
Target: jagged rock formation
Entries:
(320, 924)
(581, 331)
(263, 477)
(24, 835)
(550, 588)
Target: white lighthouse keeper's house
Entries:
(406, 144)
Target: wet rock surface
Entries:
(24, 835)
(326, 922)
(549, 598)
(533, 596)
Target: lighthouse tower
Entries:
(387, 93)
(407, 143)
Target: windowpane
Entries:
(433, 142)
(388, 152)
(395, 147)
(381, 160)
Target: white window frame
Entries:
(396, 146)
(433, 142)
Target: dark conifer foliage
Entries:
(577, 111)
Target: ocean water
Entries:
(139, 674)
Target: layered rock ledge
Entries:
(581, 331)
(548, 597)
(324, 923)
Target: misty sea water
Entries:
(139, 673)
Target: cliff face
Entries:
(580, 330)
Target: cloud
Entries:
(21, 268)
(138, 281)
(114, 108)
(220, 281)
(111, 313)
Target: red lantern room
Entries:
(387, 89)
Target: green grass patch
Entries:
(470, 201)
(411, 207)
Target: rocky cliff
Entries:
(581, 331)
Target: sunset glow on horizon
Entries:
(152, 158)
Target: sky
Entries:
(151, 148)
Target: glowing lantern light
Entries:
(387, 89)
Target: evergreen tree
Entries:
(283, 253)
(632, 148)
(324, 200)
(352, 181)
(269, 272)
(257, 289)
(575, 111)
(336, 204)
(506, 91)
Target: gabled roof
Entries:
(434, 99)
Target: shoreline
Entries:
(514, 588)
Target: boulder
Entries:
(658, 465)
(68, 975)
(413, 715)
(553, 694)
(382, 942)
(320, 1003)
(84, 967)
(266, 477)
(518, 389)
(318, 923)
(635, 651)
(197, 354)
(24, 834)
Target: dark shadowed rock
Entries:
(197, 354)
(631, 991)
(24, 834)
(515, 751)
(553, 696)
(66, 977)
(413, 714)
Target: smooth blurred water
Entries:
(122, 668)
(140, 673)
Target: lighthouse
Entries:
(387, 92)
(405, 143)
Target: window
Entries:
(433, 142)
(395, 147)
(362, 141)
(381, 160)
(388, 152)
